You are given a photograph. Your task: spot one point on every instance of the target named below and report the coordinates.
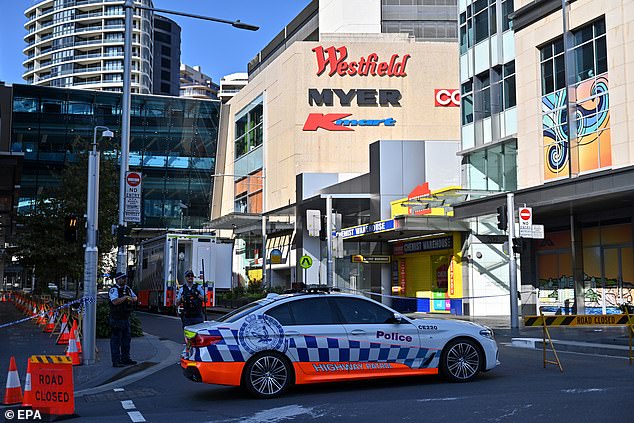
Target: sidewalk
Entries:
(604, 340)
(26, 339)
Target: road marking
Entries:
(583, 391)
(118, 389)
(128, 405)
(136, 416)
(157, 315)
(438, 399)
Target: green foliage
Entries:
(40, 240)
(103, 322)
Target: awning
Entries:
(586, 194)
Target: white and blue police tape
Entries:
(81, 301)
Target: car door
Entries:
(314, 338)
(379, 344)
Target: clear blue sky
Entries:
(219, 48)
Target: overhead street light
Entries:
(129, 7)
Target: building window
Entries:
(466, 102)
(483, 96)
(248, 128)
(493, 168)
(507, 9)
(592, 149)
(479, 22)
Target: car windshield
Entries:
(242, 311)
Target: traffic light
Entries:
(502, 218)
(122, 235)
(70, 228)
(518, 245)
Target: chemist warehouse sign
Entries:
(336, 62)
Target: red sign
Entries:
(52, 388)
(134, 179)
(402, 276)
(337, 122)
(335, 60)
(525, 214)
(446, 98)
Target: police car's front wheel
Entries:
(267, 375)
(461, 360)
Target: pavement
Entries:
(26, 339)
(153, 353)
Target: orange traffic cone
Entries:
(72, 347)
(41, 320)
(64, 334)
(13, 391)
(77, 338)
(28, 394)
(4, 298)
(51, 322)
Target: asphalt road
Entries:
(592, 389)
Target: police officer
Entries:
(191, 296)
(122, 301)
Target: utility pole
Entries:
(510, 206)
(329, 262)
(91, 254)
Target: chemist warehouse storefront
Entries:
(424, 273)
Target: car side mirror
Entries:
(396, 319)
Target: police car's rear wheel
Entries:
(267, 375)
(461, 360)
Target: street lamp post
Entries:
(129, 7)
(91, 256)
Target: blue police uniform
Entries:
(192, 304)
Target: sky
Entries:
(218, 48)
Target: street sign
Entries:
(305, 262)
(132, 209)
(275, 256)
(537, 231)
(526, 216)
(371, 259)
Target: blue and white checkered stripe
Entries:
(309, 348)
(227, 350)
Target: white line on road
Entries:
(136, 416)
(118, 389)
(128, 405)
(157, 315)
(438, 399)
(583, 391)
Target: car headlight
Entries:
(487, 333)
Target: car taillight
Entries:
(204, 340)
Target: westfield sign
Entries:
(333, 60)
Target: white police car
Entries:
(269, 344)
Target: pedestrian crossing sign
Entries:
(305, 262)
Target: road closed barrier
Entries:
(545, 322)
(52, 388)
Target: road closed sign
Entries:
(132, 210)
(52, 388)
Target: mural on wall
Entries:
(592, 146)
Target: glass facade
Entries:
(173, 144)
(425, 20)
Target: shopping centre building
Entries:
(345, 110)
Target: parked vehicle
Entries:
(163, 261)
(269, 344)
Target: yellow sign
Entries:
(578, 320)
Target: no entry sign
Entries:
(132, 211)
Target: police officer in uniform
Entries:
(122, 301)
(191, 296)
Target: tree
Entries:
(40, 238)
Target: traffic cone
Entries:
(13, 391)
(72, 347)
(51, 322)
(64, 333)
(28, 394)
(41, 320)
(4, 298)
(77, 338)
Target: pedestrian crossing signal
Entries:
(70, 228)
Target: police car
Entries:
(280, 340)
